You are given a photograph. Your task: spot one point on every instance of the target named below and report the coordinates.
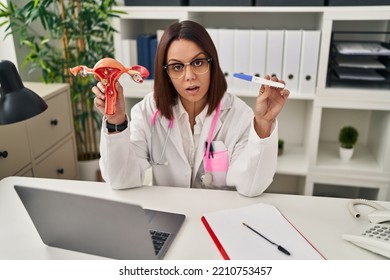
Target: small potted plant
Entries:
(280, 147)
(348, 137)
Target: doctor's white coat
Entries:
(252, 161)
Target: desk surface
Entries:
(321, 220)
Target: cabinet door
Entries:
(52, 125)
(25, 173)
(14, 149)
(59, 164)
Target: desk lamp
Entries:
(17, 103)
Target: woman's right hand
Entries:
(100, 102)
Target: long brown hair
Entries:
(165, 93)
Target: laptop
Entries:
(97, 226)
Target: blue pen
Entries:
(211, 149)
(258, 80)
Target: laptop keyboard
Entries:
(158, 238)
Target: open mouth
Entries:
(192, 89)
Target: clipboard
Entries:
(235, 241)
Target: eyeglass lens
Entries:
(198, 66)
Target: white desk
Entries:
(321, 220)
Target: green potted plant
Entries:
(348, 137)
(280, 147)
(75, 33)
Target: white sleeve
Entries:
(116, 156)
(124, 155)
(253, 170)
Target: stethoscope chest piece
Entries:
(207, 179)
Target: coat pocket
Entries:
(217, 164)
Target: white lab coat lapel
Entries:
(203, 138)
(174, 137)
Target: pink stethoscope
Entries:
(207, 177)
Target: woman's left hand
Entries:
(269, 103)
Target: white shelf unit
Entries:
(309, 124)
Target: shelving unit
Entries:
(359, 60)
(309, 123)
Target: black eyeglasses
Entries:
(198, 66)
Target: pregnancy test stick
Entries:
(258, 80)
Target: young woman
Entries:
(190, 130)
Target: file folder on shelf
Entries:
(235, 241)
(144, 54)
(275, 41)
(258, 49)
(159, 34)
(214, 34)
(226, 53)
(152, 55)
(241, 58)
(129, 52)
(309, 61)
(291, 59)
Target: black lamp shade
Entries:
(17, 103)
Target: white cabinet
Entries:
(43, 146)
(310, 123)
